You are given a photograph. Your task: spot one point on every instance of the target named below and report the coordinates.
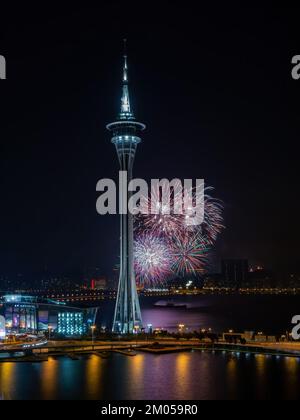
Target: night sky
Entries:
(214, 87)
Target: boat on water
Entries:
(170, 304)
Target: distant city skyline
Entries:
(231, 275)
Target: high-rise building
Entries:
(235, 273)
(126, 137)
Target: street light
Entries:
(136, 330)
(49, 332)
(93, 327)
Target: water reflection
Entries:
(261, 376)
(93, 382)
(7, 380)
(49, 384)
(232, 376)
(136, 370)
(291, 380)
(182, 374)
(190, 375)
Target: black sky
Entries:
(213, 86)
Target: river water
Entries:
(272, 314)
(189, 375)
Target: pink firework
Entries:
(167, 223)
(162, 219)
(212, 224)
(152, 260)
(213, 220)
(182, 247)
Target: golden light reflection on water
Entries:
(93, 378)
(260, 365)
(291, 378)
(232, 377)
(7, 379)
(182, 373)
(292, 366)
(261, 375)
(137, 366)
(137, 372)
(181, 365)
(49, 379)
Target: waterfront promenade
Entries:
(104, 349)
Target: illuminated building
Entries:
(2, 328)
(126, 131)
(70, 323)
(99, 284)
(31, 315)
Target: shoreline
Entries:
(158, 348)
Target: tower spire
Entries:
(125, 113)
(125, 67)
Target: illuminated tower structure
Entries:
(126, 137)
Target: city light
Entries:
(175, 278)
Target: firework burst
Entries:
(167, 244)
(161, 219)
(212, 224)
(189, 255)
(153, 259)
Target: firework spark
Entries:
(189, 255)
(212, 225)
(161, 219)
(153, 259)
